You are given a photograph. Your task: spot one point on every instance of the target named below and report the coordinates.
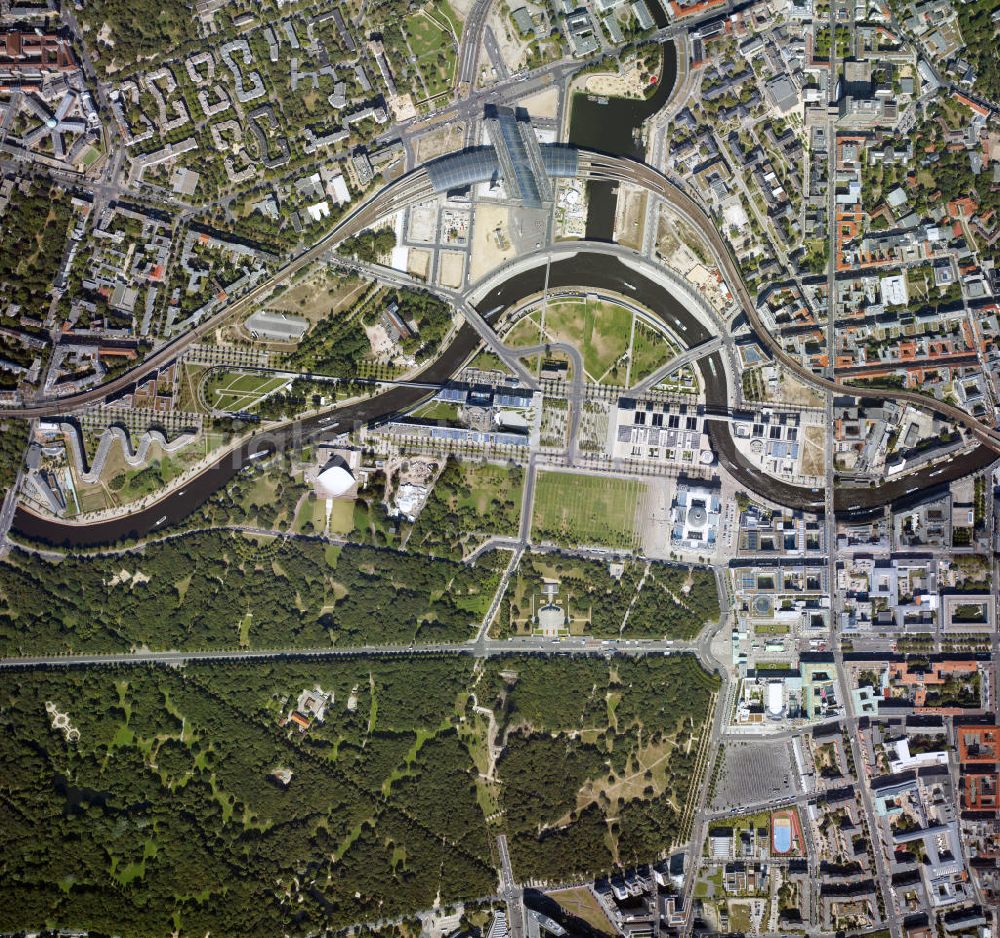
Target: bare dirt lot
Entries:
(439, 141)
(630, 216)
(512, 48)
(419, 263)
(813, 462)
(491, 240)
(422, 225)
(451, 268)
(542, 104)
(794, 391)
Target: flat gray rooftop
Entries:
(281, 327)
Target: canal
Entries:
(615, 127)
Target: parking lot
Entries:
(753, 772)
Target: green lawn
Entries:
(438, 410)
(650, 350)
(311, 512)
(133, 484)
(585, 509)
(90, 156)
(599, 330)
(739, 917)
(433, 38)
(525, 334)
(488, 361)
(342, 517)
(236, 391)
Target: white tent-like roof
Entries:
(335, 480)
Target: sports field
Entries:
(237, 391)
(576, 509)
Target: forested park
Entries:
(220, 589)
(179, 800)
(645, 599)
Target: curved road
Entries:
(609, 272)
(415, 187)
(597, 270)
(621, 169)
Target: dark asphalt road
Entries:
(174, 508)
(608, 273)
(597, 271)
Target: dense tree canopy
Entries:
(166, 815)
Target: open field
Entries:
(433, 36)
(600, 330)
(650, 350)
(526, 333)
(630, 216)
(491, 241)
(451, 268)
(586, 509)
(446, 139)
(813, 451)
(311, 516)
(582, 903)
(488, 361)
(238, 391)
(793, 391)
(319, 293)
(189, 398)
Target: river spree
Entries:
(616, 128)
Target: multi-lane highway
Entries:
(468, 47)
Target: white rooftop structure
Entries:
(319, 210)
(894, 292)
(904, 760)
(511, 420)
(336, 480)
(695, 516)
(338, 190)
(775, 698)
